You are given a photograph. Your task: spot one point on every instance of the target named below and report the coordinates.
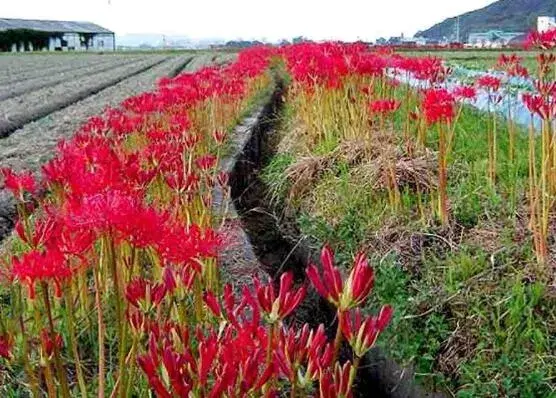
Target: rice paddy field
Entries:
(310, 220)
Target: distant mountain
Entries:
(506, 15)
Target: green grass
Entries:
(469, 315)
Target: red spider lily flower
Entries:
(546, 89)
(320, 357)
(251, 379)
(6, 346)
(175, 364)
(291, 350)
(505, 61)
(542, 40)
(336, 384)
(150, 368)
(223, 178)
(233, 313)
(136, 319)
(169, 279)
(533, 102)
(144, 294)
(219, 136)
(188, 274)
(278, 308)
(44, 266)
(212, 303)
(536, 104)
(360, 281)
(332, 285)
(490, 83)
(20, 183)
(357, 287)
(465, 93)
(384, 106)
(512, 65)
(303, 347)
(363, 333)
(438, 106)
(519, 71)
(208, 348)
(182, 182)
(50, 343)
(206, 162)
(43, 231)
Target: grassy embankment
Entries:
(471, 314)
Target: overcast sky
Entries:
(247, 19)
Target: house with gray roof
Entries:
(42, 35)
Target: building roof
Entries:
(51, 26)
(494, 35)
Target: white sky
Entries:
(248, 19)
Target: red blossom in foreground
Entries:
(336, 384)
(362, 333)
(536, 104)
(278, 308)
(20, 183)
(438, 106)
(143, 293)
(384, 106)
(41, 266)
(331, 286)
(212, 303)
(305, 346)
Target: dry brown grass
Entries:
(372, 159)
(412, 173)
(304, 173)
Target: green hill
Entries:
(507, 15)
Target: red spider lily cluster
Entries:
(438, 106)
(511, 64)
(384, 107)
(542, 179)
(542, 40)
(489, 83)
(122, 249)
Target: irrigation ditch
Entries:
(261, 235)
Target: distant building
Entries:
(492, 39)
(546, 23)
(38, 35)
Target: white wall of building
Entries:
(72, 42)
(103, 42)
(546, 23)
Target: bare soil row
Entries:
(57, 77)
(16, 112)
(19, 68)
